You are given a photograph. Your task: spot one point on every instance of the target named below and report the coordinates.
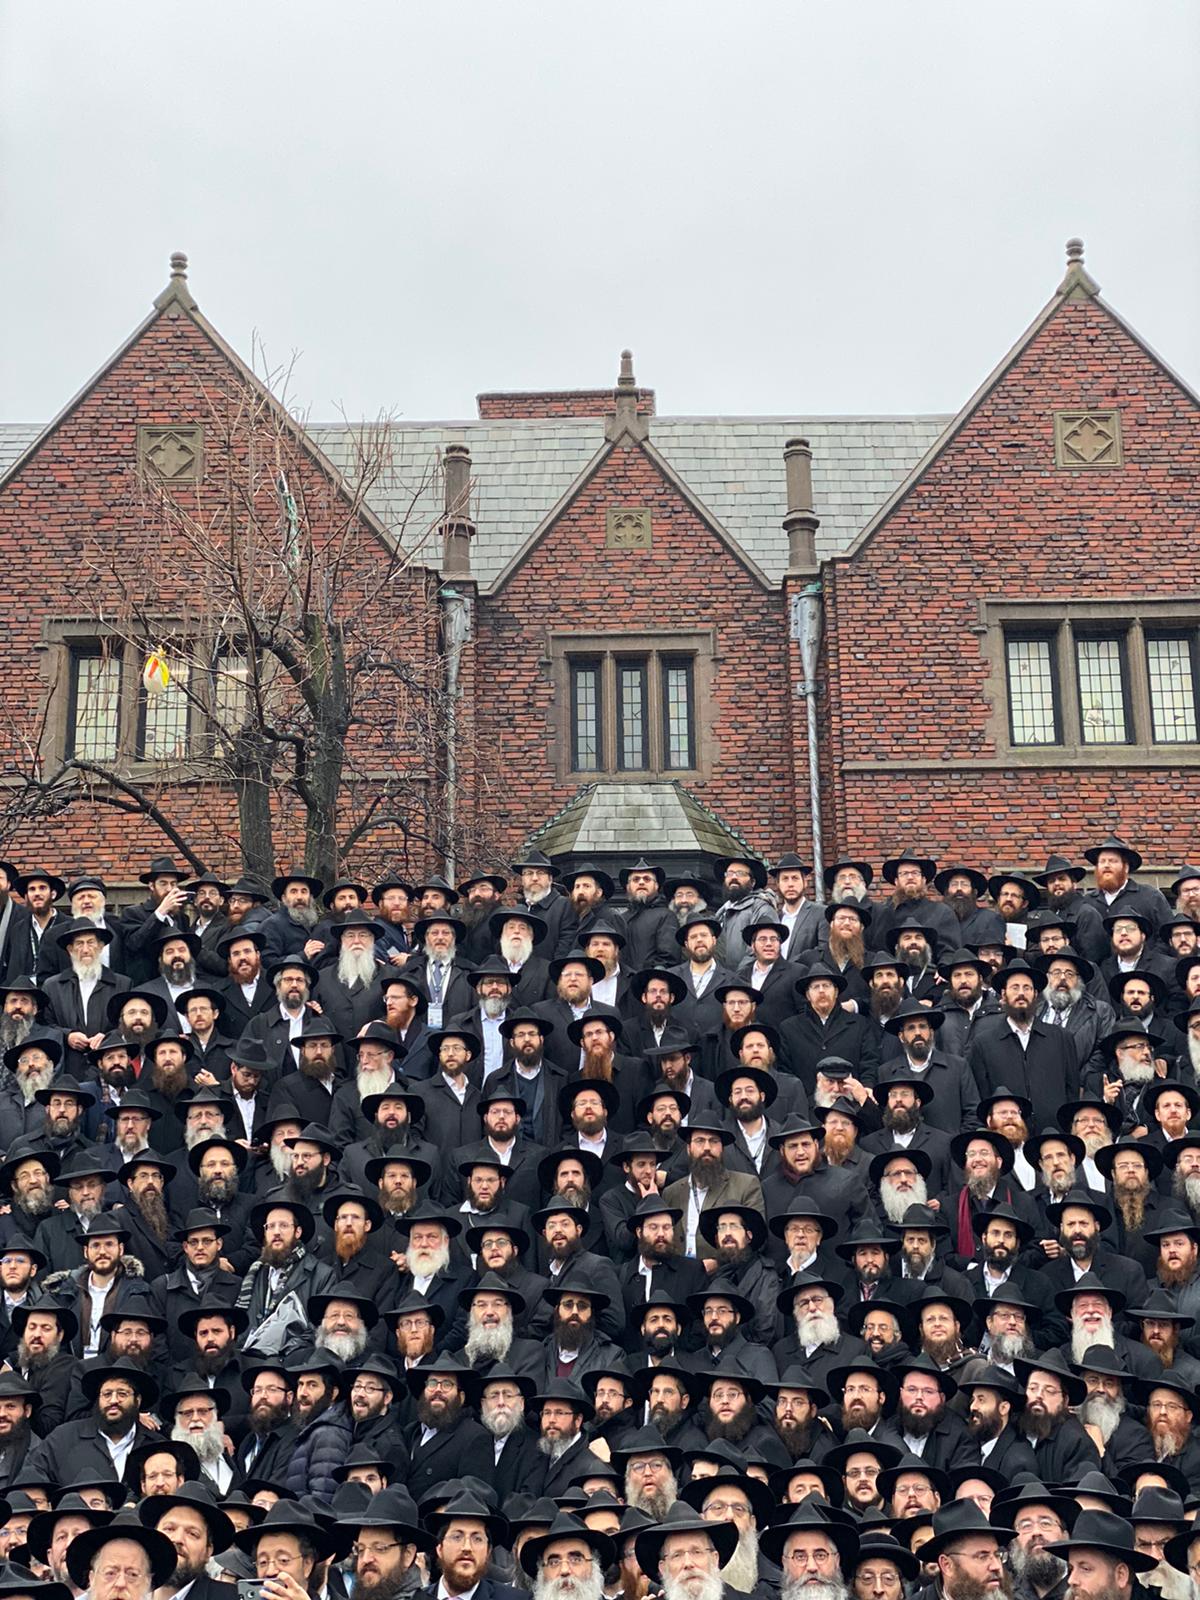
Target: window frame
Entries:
(77, 651)
(1191, 638)
(1120, 638)
(608, 652)
(1033, 636)
(1135, 618)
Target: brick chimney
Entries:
(456, 526)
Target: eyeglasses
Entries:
(360, 1386)
(804, 1558)
(457, 1538)
(130, 1574)
(693, 1552)
(727, 1508)
(574, 1559)
(361, 1550)
(436, 1384)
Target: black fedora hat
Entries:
(803, 1206)
(909, 857)
(682, 1519)
(908, 1009)
(1053, 1363)
(758, 868)
(84, 1547)
(287, 1516)
(1027, 885)
(809, 1517)
(1111, 1535)
(859, 1442)
(961, 1519)
(979, 882)
(41, 1528)
(279, 1200)
(94, 1374)
(197, 1497)
(1132, 858)
(468, 1507)
(848, 863)
(962, 1142)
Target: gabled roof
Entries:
(606, 819)
(1077, 284)
(177, 300)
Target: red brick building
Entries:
(1001, 608)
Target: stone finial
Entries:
(1078, 281)
(626, 423)
(177, 295)
(627, 379)
(801, 522)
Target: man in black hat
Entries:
(737, 1235)
(203, 1340)
(1067, 1003)
(243, 984)
(358, 1247)
(323, 1434)
(1116, 890)
(174, 951)
(842, 945)
(280, 1283)
(83, 1175)
(577, 1342)
(1028, 1056)
(372, 1400)
(102, 1285)
(1060, 882)
(914, 1054)
(772, 978)
(657, 1264)
(1061, 1448)
(347, 989)
(388, 1540)
(529, 1076)
(38, 917)
(649, 923)
(80, 992)
(264, 1450)
(540, 895)
(492, 982)
(709, 1182)
(836, 1191)
(1103, 1561)
(425, 1235)
(446, 1440)
(574, 977)
(451, 1094)
(995, 1400)
(198, 1279)
(1081, 1217)
(696, 938)
(101, 1442)
(465, 1532)
(902, 1101)
(968, 1551)
(44, 1329)
(823, 1027)
(491, 1307)
(291, 929)
(394, 1116)
(144, 924)
(18, 1401)
(144, 1178)
(744, 898)
(967, 1000)
(88, 902)
(23, 1010)
(375, 1053)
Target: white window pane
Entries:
(1101, 691)
(166, 719)
(1172, 690)
(97, 707)
(586, 714)
(1031, 692)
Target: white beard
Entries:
(194, 1136)
(813, 1589)
(495, 1005)
(896, 1204)
(817, 1327)
(493, 1344)
(372, 1080)
(1082, 1341)
(516, 949)
(708, 1588)
(741, 1570)
(428, 1263)
(1187, 1189)
(501, 1420)
(209, 1445)
(355, 966)
(588, 1586)
(345, 1346)
(1137, 1071)
(281, 1161)
(85, 971)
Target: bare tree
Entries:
(304, 640)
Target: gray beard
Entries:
(492, 1344)
(653, 1502)
(495, 1005)
(1187, 1189)
(446, 955)
(1058, 1185)
(1102, 1413)
(813, 1589)
(194, 1136)
(501, 1423)
(1038, 1567)
(895, 1204)
(554, 1448)
(1137, 1071)
(14, 1031)
(1193, 1051)
(305, 917)
(85, 971)
(209, 1445)
(32, 1081)
(709, 1588)
(355, 966)
(186, 978)
(345, 1346)
(1009, 1347)
(1063, 1000)
(741, 1570)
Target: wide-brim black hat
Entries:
(274, 1201)
(41, 1528)
(1111, 1535)
(316, 1307)
(959, 1520)
(94, 1374)
(1050, 1361)
(84, 1547)
(682, 1519)
(286, 1516)
(49, 1044)
(752, 1219)
(762, 1500)
(196, 1497)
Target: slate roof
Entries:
(606, 819)
(521, 468)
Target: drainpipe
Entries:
(800, 525)
(458, 530)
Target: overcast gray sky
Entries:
(782, 207)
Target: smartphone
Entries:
(250, 1588)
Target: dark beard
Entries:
(209, 1364)
(919, 1427)
(707, 1171)
(730, 1255)
(169, 1081)
(267, 1418)
(18, 1440)
(885, 1003)
(660, 1343)
(118, 1429)
(901, 1119)
(962, 903)
(303, 1185)
(735, 1430)
(154, 1213)
(430, 1419)
(316, 1071)
(568, 1338)
(1037, 1424)
(217, 1191)
(663, 1250)
(385, 1587)
(34, 1360)
(797, 1437)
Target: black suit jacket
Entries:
(75, 1448)
(53, 959)
(1011, 1454)
(67, 1007)
(519, 1464)
(459, 1452)
(239, 1013)
(1046, 1071)
(803, 1040)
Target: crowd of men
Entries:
(596, 1236)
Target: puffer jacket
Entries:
(320, 1447)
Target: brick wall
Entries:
(689, 579)
(905, 668)
(558, 403)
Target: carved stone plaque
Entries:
(1087, 438)
(628, 528)
(175, 454)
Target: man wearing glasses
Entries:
(465, 1532)
(387, 1541)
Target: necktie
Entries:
(436, 985)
